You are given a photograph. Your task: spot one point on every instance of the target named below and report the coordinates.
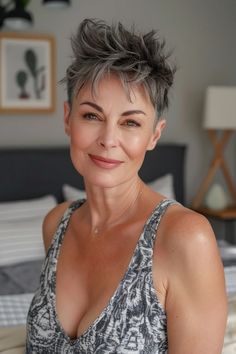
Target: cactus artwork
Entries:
(21, 79)
(36, 72)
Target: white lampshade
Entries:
(220, 108)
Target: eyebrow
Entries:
(98, 108)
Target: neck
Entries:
(112, 206)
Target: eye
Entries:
(131, 123)
(90, 116)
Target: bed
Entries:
(32, 181)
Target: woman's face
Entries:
(109, 133)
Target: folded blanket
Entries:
(14, 309)
(20, 278)
(12, 340)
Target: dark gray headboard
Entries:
(31, 173)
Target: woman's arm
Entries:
(196, 301)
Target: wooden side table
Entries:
(218, 162)
(228, 216)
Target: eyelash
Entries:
(90, 116)
(132, 123)
(128, 122)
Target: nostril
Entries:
(107, 142)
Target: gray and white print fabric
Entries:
(133, 322)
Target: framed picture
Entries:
(27, 73)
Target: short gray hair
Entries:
(99, 49)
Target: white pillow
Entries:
(14, 309)
(72, 193)
(163, 185)
(27, 208)
(21, 240)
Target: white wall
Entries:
(202, 34)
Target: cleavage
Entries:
(89, 275)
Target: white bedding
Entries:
(230, 279)
(14, 309)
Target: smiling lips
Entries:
(105, 162)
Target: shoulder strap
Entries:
(142, 257)
(61, 228)
(50, 262)
(155, 218)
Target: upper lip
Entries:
(105, 159)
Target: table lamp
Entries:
(219, 115)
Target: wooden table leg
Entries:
(218, 161)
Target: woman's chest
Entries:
(88, 275)
(126, 318)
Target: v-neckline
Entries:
(72, 208)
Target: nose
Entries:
(108, 137)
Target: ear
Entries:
(67, 110)
(156, 134)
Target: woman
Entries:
(127, 270)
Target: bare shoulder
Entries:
(187, 253)
(184, 231)
(192, 247)
(51, 222)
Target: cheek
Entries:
(136, 146)
(79, 144)
(81, 138)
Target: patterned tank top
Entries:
(133, 322)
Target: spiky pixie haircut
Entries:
(100, 49)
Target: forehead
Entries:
(112, 86)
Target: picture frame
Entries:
(27, 73)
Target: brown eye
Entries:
(90, 116)
(131, 123)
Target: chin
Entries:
(107, 181)
(102, 182)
